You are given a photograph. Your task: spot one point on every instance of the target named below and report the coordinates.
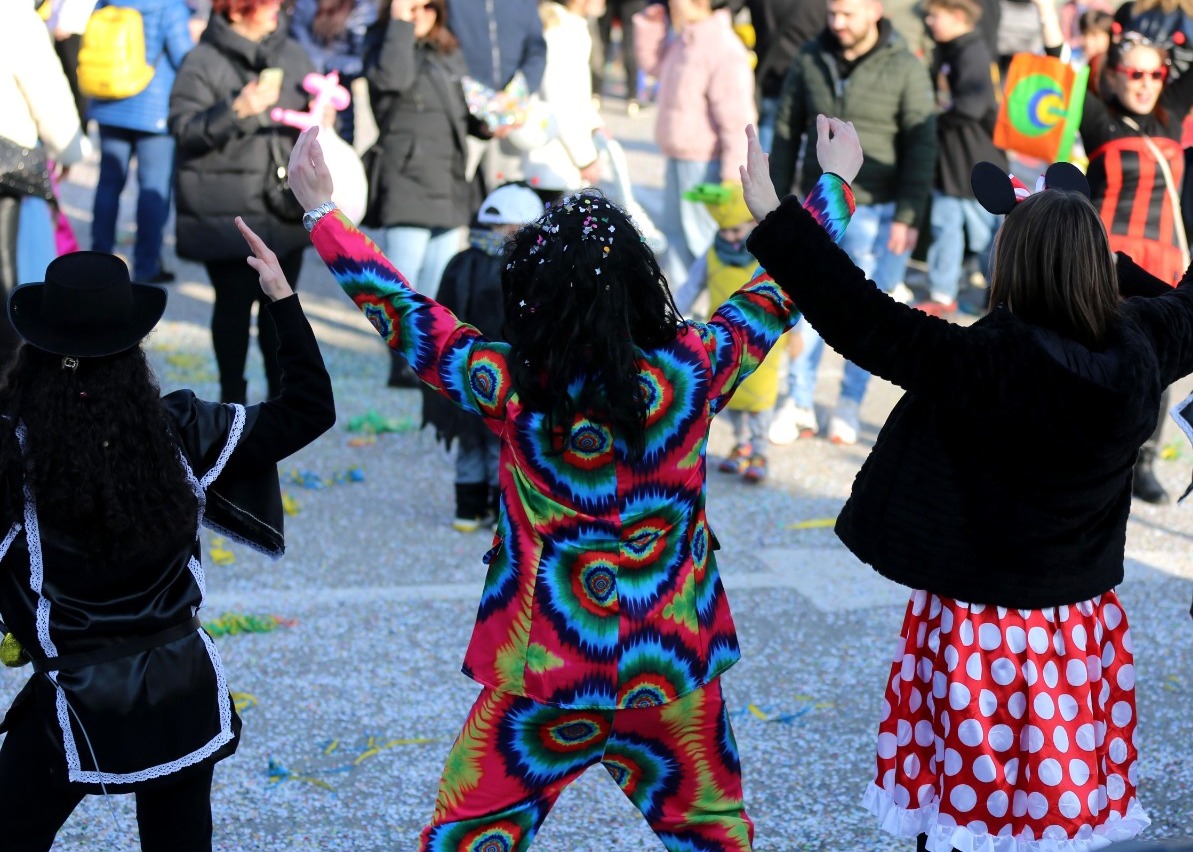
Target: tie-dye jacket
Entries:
(602, 589)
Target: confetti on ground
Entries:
(373, 423)
(766, 714)
(1173, 683)
(363, 442)
(1171, 451)
(313, 481)
(233, 623)
(243, 701)
(276, 774)
(289, 505)
(220, 555)
(343, 759)
(813, 524)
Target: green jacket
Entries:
(888, 97)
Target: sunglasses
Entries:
(1135, 74)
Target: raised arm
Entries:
(453, 358)
(304, 409)
(905, 346)
(1167, 319)
(389, 67)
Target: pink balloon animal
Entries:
(327, 91)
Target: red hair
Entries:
(228, 8)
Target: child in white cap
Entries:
(471, 288)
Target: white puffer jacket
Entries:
(567, 95)
(35, 98)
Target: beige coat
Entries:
(35, 99)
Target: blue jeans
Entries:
(865, 242)
(155, 179)
(954, 222)
(421, 254)
(688, 225)
(768, 115)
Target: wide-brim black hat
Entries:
(86, 308)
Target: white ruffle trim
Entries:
(904, 822)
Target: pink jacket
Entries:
(706, 89)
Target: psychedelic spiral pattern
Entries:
(677, 763)
(602, 589)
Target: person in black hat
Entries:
(998, 491)
(103, 486)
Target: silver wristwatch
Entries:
(312, 217)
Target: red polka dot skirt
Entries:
(1009, 730)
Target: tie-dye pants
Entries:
(677, 762)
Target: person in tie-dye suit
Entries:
(603, 627)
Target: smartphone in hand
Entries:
(271, 78)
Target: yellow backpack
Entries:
(112, 55)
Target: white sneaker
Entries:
(902, 293)
(792, 423)
(844, 424)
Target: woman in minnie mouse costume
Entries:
(999, 490)
(103, 486)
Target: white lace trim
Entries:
(8, 539)
(234, 433)
(36, 578)
(193, 564)
(196, 569)
(202, 753)
(36, 567)
(200, 495)
(942, 837)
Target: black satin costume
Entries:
(153, 713)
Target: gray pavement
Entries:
(351, 701)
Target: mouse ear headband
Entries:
(999, 192)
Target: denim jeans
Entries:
(865, 242)
(956, 221)
(688, 225)
(421, 254)
(155, 179)
(768, 115)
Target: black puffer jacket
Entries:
(416, 170)
(223, 161)
(1003, 475)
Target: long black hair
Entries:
(101, 453)
(582, 293)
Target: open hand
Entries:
(756, 185)
(265, 262)
(837, 148)
(310, 180)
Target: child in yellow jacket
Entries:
(726, 267)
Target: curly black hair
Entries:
(101, 453)
(582, 294)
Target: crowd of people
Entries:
(582, 412)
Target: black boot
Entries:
(401, 374)
(472, 506)
(1144, 484)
